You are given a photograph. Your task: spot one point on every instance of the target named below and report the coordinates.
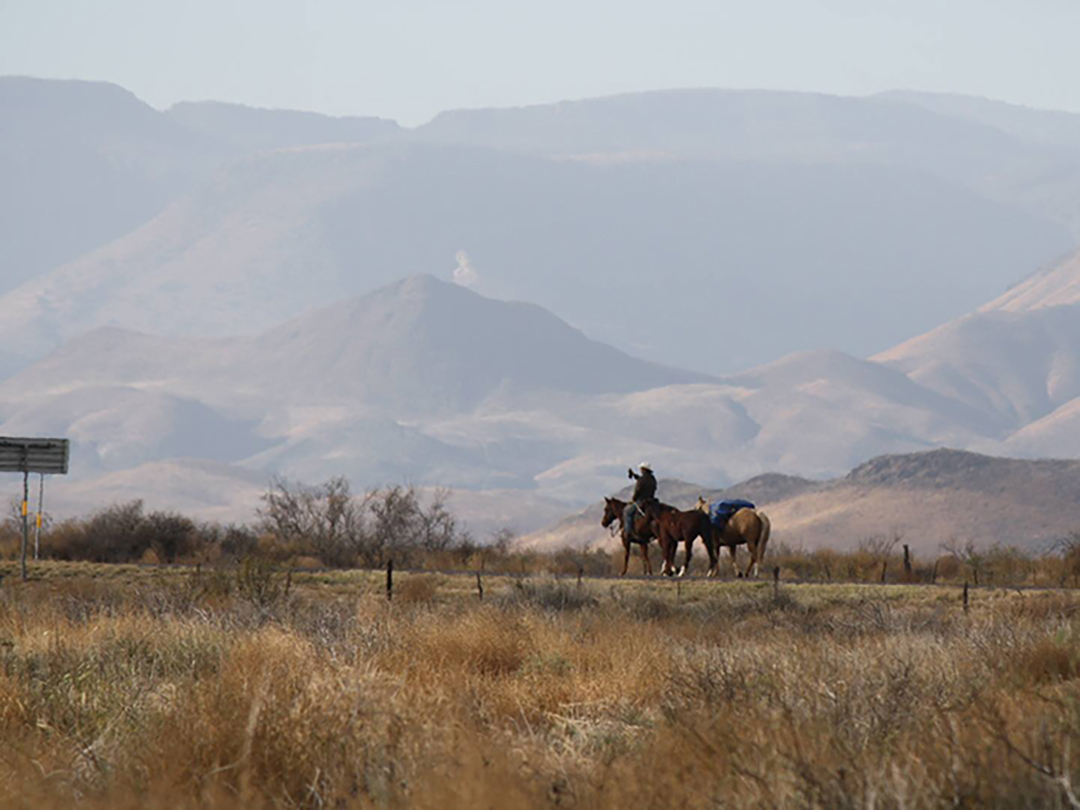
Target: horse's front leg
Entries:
(734, 561)
(670, 547)
(626, 556)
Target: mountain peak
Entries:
(423, 342)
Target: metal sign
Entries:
(47, 456)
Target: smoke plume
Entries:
(465, 274)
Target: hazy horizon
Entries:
(413, 60)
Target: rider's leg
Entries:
(629, 513)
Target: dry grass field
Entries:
(132, 687)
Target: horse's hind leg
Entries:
(734, 561)
(710, 548)
(752, 563)
(646, 563)
(689, 545)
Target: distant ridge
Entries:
(944, 467)
(83, 163)
(256, 129)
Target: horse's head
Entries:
(611, 512)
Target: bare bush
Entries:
(324, 518)
(343, 530)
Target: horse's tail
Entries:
(766, 530)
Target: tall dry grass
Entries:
(179, 692)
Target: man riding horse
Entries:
(636, 523)
(644, 494)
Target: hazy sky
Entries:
(408, 59)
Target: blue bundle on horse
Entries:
(721, 511)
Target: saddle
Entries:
(721, 511)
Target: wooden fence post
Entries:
(884, 568)
(965, 597)
(908, 573)
(776, 582)
(479, 587)
(390, 579)
(580, 574)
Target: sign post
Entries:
(40, 510)
(45, 456)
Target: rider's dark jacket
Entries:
(645, 488)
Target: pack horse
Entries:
(736, 523)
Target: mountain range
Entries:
(235, 293)
(759, 223)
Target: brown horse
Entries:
(746, 527)
(675, 526)
(644, 531)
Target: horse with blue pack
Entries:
(733, 523)
(721, 511)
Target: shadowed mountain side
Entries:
(930, 498)
(713, 265)
(255, 129)
(83, 163)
